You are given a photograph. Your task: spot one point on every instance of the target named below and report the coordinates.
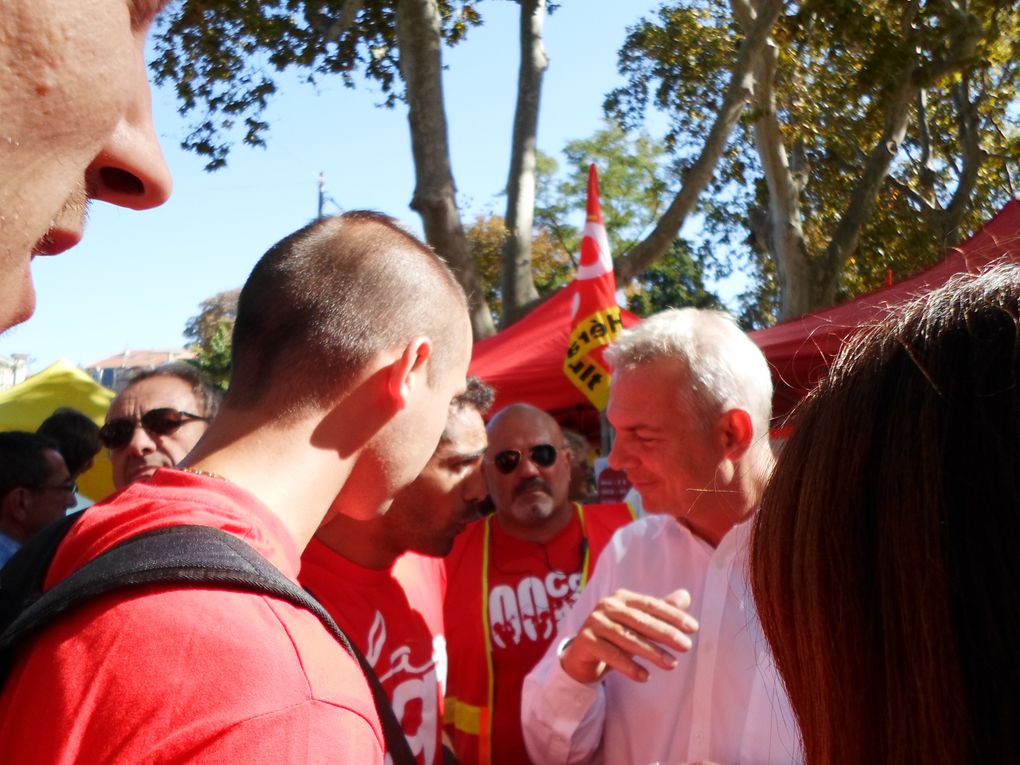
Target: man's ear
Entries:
(409, 370)
(736, 432)
(15, 505)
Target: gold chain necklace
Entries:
(206, 473)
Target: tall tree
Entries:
(210, 332)
(217, 55)
(420, 40)
(880, 132)
(551, 263)
(734, 88)
(634, 191)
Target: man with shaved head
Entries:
(528, 563)
(342, 373)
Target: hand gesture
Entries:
(626, 626)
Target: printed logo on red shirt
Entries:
(413, 688)
(531, 610)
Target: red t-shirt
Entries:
(178, 675)
(395, 617)
(531, 588)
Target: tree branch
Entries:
(876, 168)
(784, 231)
(338, 27)
(973, 157)
(915, 196)
(925, 172)
(914, 77)
(738, 93)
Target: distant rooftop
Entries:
(142, 359)
(115, 371)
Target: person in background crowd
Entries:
(77, 438)
(884, 557)
(582, 477)
(383, 579)
(35, 488)
(512, 577)
(75, 125)
(690, 402)
(342, 373)
(157, 419)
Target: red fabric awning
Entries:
(524, 362)
(800, 350)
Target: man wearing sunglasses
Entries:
(528, 562)
(342, 372)
(35, 488)
(627, 678)
(156, 420)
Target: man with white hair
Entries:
(690, 402)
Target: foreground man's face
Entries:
(75, 124)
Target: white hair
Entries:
(725, 369)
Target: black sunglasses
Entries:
(507, 460)
(117, 433)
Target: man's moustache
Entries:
(531, 484)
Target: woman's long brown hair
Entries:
(886, 554)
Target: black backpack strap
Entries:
(196, 556)
(392, 729)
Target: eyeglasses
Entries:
(507, 460)
(69, 486)
(117, 433)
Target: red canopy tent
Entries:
(800, 350)
(524, 362)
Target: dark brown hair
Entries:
(23, 460)
(477, 395)
(77, 437)
(324, 300)
(885, 557)
(207, 396)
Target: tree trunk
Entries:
(420, 44)
(738, 93)
(780, 231)
(973, 157)
(518, 283)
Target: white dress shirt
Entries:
(723, 702)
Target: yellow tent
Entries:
(27, 404)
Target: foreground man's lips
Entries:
(57, 240)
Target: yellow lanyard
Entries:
(485, 723)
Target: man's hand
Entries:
(626, 626)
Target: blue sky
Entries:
(138, 277)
